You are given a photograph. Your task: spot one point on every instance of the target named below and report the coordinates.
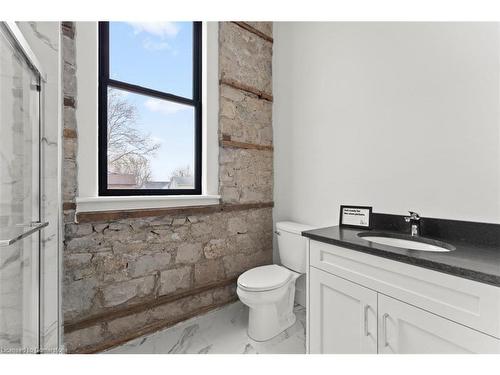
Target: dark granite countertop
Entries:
(478, 260)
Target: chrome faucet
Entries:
(414, 220)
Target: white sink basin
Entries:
(406, 244)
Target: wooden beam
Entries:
(253, 30)
(241, 86)
(69, 206)
(120, 312)
(250, 146)
(148, 329)
(70, 133)
(69, 102)
(107, 216)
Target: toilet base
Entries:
(270, 312)
(259, 333)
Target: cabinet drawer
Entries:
(467, 302)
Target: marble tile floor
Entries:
(222, 331)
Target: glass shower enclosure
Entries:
(20, 210)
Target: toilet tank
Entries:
(291, 245)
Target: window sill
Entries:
(95, 204)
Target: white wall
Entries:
(397, 116)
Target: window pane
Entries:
(156, 55)
(150, 142)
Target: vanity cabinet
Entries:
(344, 317)
(361, 303)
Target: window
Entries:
(150, 108)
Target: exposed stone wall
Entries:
(124, 277)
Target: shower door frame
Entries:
(30, 57)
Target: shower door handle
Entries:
(10, 235)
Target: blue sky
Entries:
(158, 55)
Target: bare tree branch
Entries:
(129, 149)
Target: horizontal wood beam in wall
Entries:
(241, 86)
(69, 206)
(148, 329)
(69, 102)
(253, 30)
(70, 133)
(105, 216)
(68, 29)
(120, 312)
(250, 146)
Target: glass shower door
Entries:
(19, 199)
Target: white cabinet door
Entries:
(343, 315)
(407, 329)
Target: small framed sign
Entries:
(355, 217)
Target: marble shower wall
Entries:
(44, 39)
(18, 129)
(130, 273)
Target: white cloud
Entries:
(164, 107)
(161, 29)
(155, 46)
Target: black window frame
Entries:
(196, 102)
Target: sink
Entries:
(404, 241)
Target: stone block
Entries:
(133, 247)
(250, 175)
(208, 272)
(78, 297)
(69, 80)
(188, 253)
(69, 120)
(175, 279)
(69, 180)
(245, 117)
(118, 293)
(68, 50)
(149, 263)
(111, 267)
(237, 225)
(200, 230)
(78, 230)
(100, 227)
(179, 221)
(78, 266)
(216, 248)
(90, 243)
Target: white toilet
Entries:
(269, 291)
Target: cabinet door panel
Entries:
(406, 329)
(471, 303)
(343, 315)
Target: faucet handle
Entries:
(413, 216)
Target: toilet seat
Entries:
(264, 278)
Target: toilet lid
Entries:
(264, 278)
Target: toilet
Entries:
(269, 291)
